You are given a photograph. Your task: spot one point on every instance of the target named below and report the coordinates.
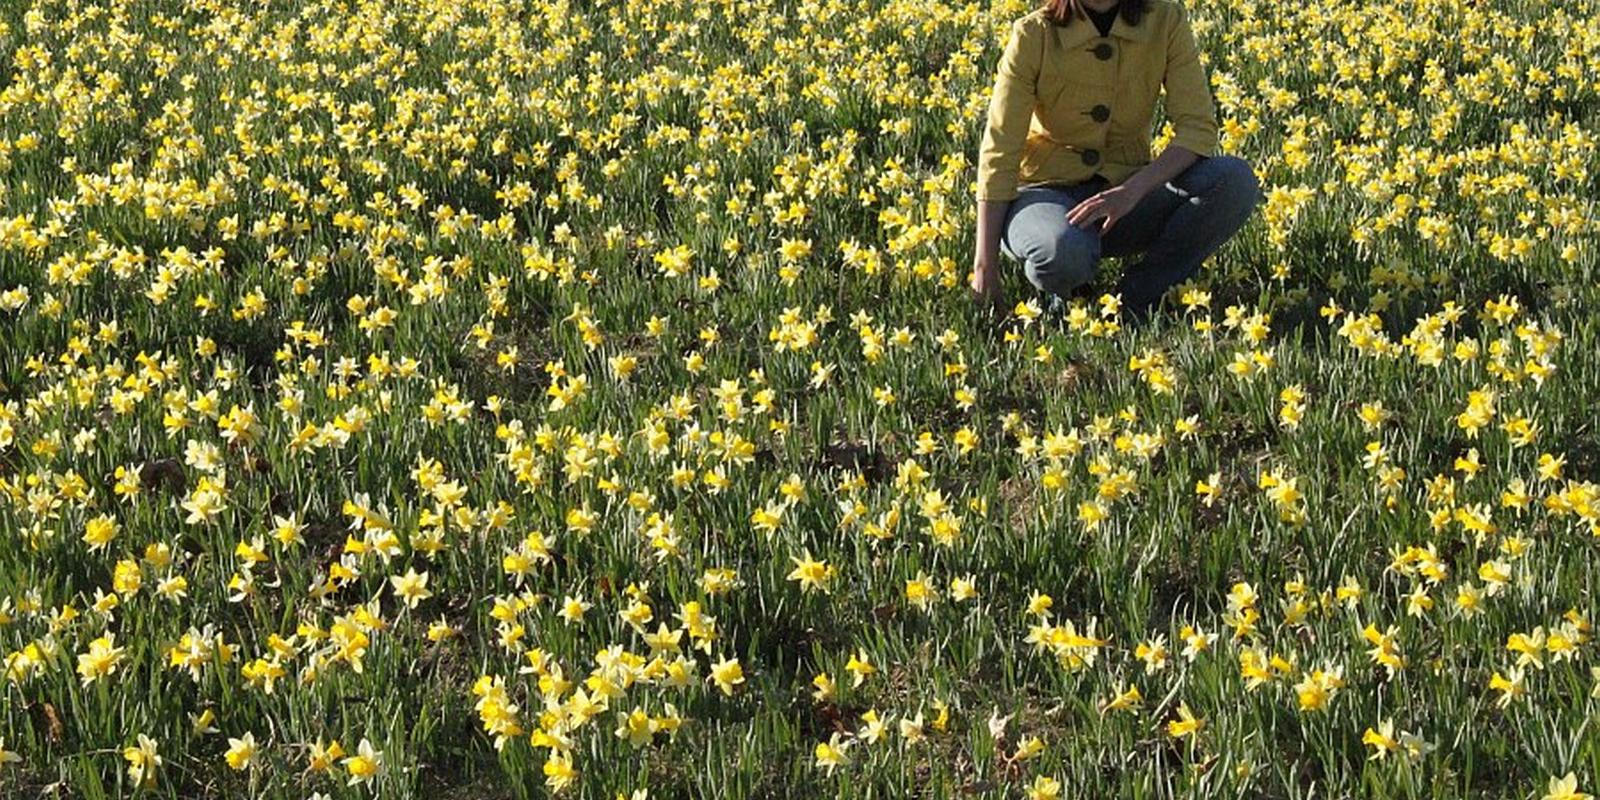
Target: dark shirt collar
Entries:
(1081, 31)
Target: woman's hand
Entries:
(985, 284)
(1110, 204)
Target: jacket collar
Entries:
(1082, 31)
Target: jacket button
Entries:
(1100, 113)
(1091, 157)
(1102, 51)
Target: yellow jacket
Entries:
(1069, 103)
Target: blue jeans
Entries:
(1175, 230)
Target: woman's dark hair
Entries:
(1061, 12)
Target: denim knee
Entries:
(1236, 183)
(1063, 263)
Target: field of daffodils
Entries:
(525, 398)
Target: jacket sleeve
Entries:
(1010, 112)
(1189, 106)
